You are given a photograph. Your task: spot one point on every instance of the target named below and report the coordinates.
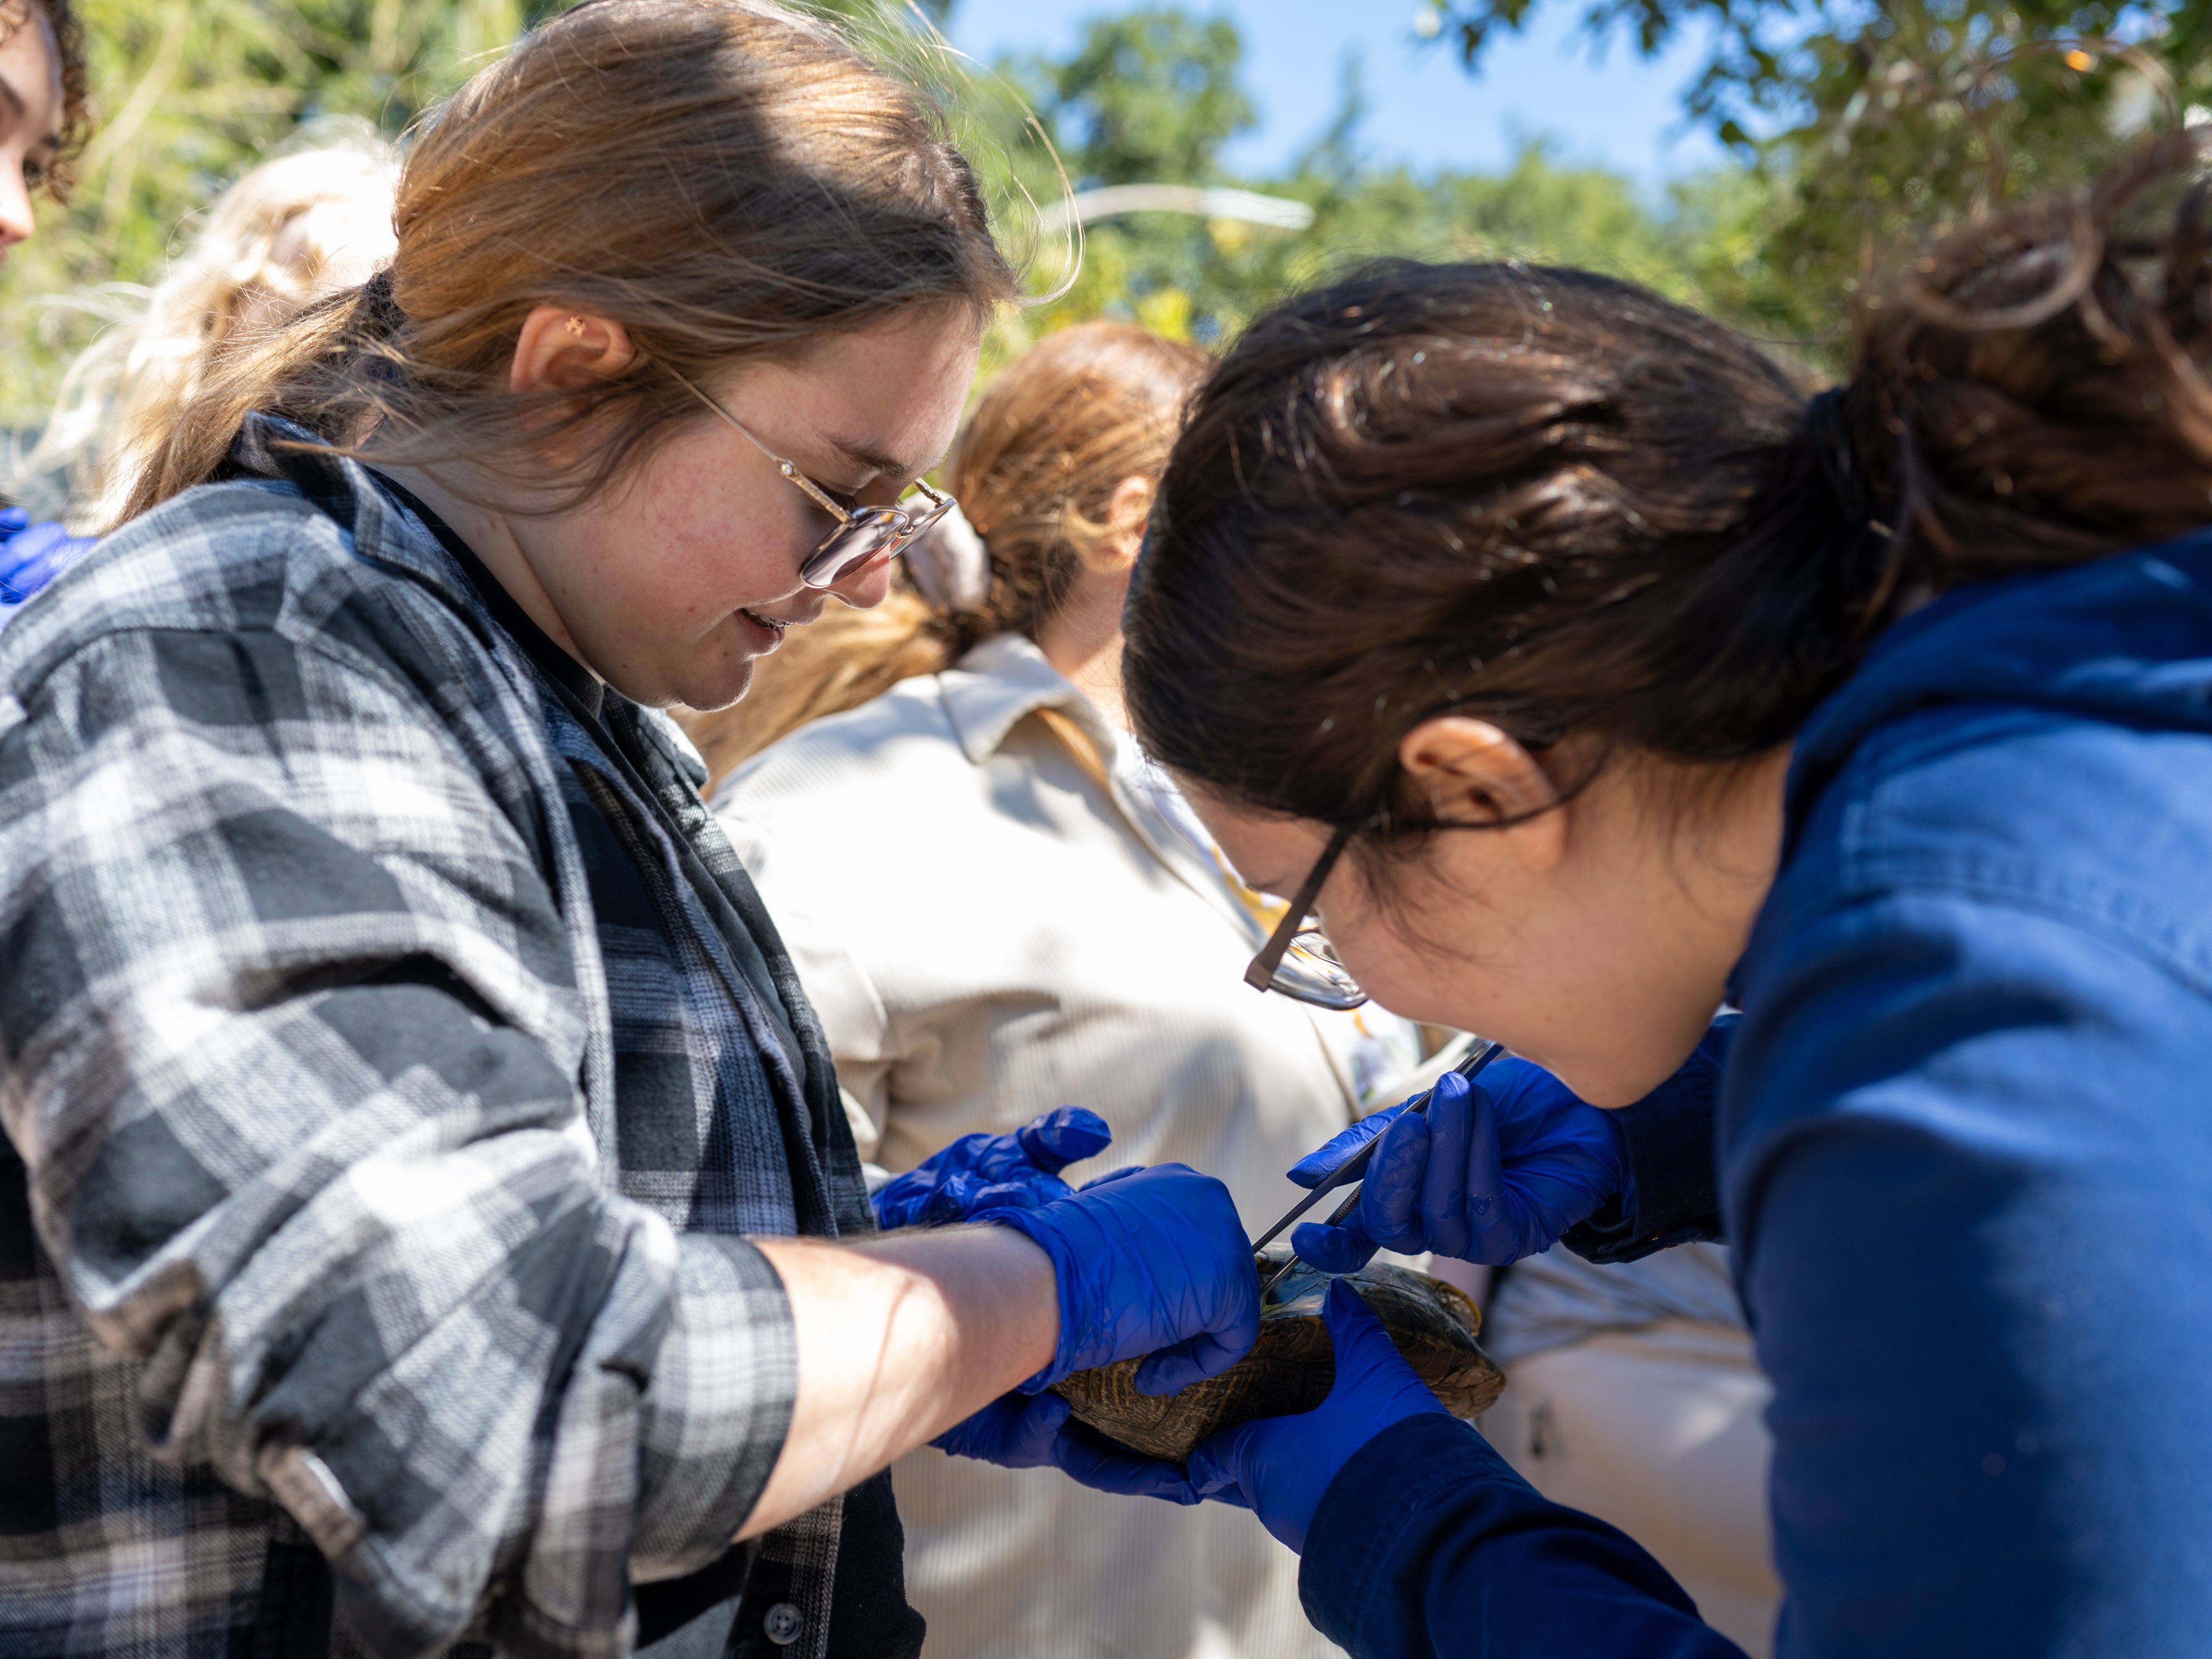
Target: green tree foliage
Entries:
(1148, 97)
(188, 94)
(1153, 97)
(191, 92)
(1869, 127)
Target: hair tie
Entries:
(950, 565)
(1829, 432)
(375, 313)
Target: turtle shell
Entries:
(1293, 1366)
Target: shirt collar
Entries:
(382, 529)
(552, 661)
(390, 525)
(1006, 679)
(1000, 682)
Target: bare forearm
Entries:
(899, 1339)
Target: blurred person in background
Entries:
(306, 223)
(43, 122)
(1054, 927)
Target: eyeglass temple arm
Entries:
(813, 490)
(1261, 973)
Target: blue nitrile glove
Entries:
(986, 1171)
(1016, 1431)
(31, 555)
(1092, 1460)
(1147, 1261)
(1279, 1467)
(1497, 1171)
(1023, 1432)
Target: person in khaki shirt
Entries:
(1059, 931)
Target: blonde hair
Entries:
(298, 227)
(725, 179)
(1034, 469)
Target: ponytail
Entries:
(290, 371)
(1559, 503)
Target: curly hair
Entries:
(68, 45)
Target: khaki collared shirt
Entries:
(989, 926)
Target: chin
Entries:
(1614, 1080)
(710, 686)
(1597, 1086)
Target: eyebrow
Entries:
(875, 461)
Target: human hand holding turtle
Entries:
(1150, 1262)
(1280, 1466)
(1277, 1467)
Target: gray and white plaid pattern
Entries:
(334, 1231)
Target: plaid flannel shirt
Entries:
(346, 1216)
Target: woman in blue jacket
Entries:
(1547, 642)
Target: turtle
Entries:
(1292, 1367)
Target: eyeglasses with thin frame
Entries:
(1298, 960)
(862, 535)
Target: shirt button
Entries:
(783, 1623)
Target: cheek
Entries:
(1402, 973)
(692, 552)
(1442, 949)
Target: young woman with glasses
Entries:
(1584, 675)
(427, 1220)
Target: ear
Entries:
(1127, 509)
(1473, 773)
(562, 350)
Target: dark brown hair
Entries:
(1560, 503)
(725, 179)
(1034, 469)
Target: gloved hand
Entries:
(1148, 1262)
(1497, 1171)
(1280, 1466)
(1022, 1432)
(1016, 1431)
(985, 1172)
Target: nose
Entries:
(16, 220)
(867, 588)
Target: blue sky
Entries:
(1620, 111)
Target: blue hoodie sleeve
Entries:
(1967, 1169)
(1426, 1544)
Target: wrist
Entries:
(1061, 1265)
(1022, 1272)
(992, 1288)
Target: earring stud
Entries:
(576, 327)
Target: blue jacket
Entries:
(1965, 1159)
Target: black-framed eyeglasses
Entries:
(863, 533)
(1298, 960)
